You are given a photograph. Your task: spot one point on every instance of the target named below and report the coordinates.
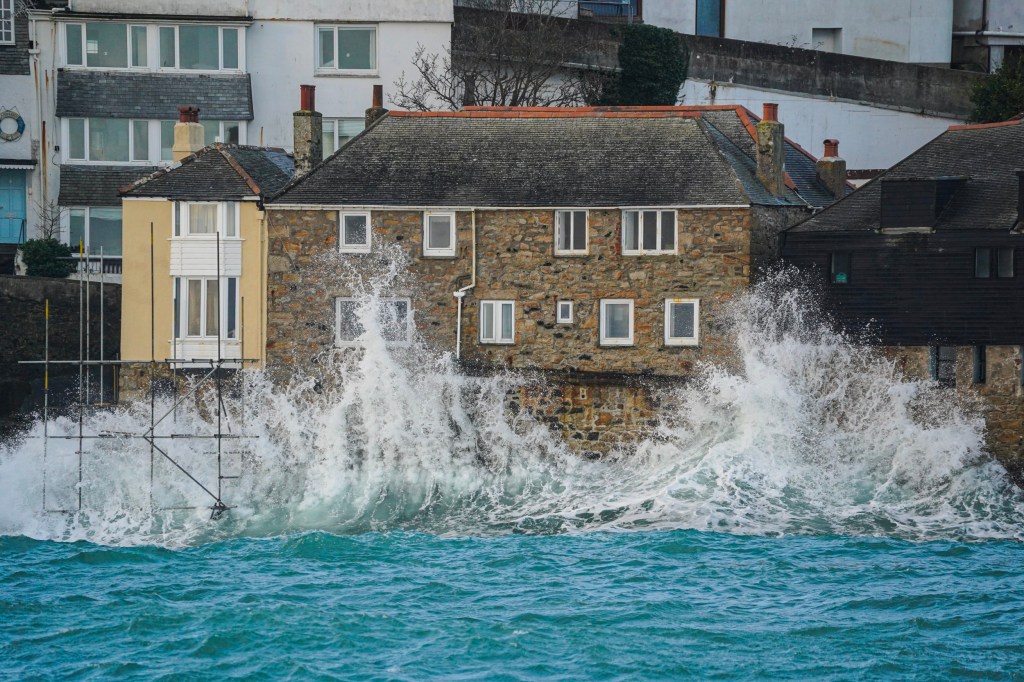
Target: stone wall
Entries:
(1001, 395)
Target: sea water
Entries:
(803, 513)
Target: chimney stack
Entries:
(832, 170)
(308, 131)
(377, 110)
(771, 159)
(188, 133)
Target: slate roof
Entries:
(988, 154)
(219, 172)
(220, 97)
(96, 185)
(533, 157)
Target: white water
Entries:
(815, 435)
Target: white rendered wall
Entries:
(915, 31)
(869, 137)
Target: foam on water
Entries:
(813, 434)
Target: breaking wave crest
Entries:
(812, 434)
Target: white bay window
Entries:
(198, 313)
(206, 219)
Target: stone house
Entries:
(595, 245)
(927, 253)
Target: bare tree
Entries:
(508, 53)
(50, 218)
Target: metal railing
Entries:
(107, 265)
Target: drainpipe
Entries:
(461, 294)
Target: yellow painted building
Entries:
(195, 239)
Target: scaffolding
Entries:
(211, 374)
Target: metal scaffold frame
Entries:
(213, 375)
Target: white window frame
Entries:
(225, 210)
(220, 50)
(605, 340)
(497, 316)
(181, 290)
(87, 231)
(349, 343)
(574, 249)
(85, 45)
(345, 247)
(132, 161)
(438, 252)
(335, 131)
(7, 27)
(564, 319)
(335, 70)
(682, 340)
(640, 251)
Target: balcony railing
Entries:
(94, 265)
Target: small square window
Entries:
(438, 234)
(355, 232)
(840, 268)
(564, 312)
(616, 322)
(497, 322)
(682, 321)
(570, 232)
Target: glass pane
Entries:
(355, 230)
(202, 218)
(140, 140)
(212, 307)
(982, 262)
(709, 18)
(349, 328)
(325, 58)
(167, 51)
(616, 320)
(631, 231)
(682, 320)
(230, 36)
(579, 230)
(105, 231)
(1005, 263)
(76, 138)
(564, 232)
(139, 56)
(230, 219)
(650, 236)
(197, 47)
(439, 232)
(564, 311)
(506, 321)
(177, 307)
(232, 132)
(487, 321)
(349, 128)
(357, 48)
(232, 326)
(106, 45)
(73, 33)
(166, 140)
(108, 139)
(668, 230)
(211, 131)
(328, 138)
(76, 220)
(195, 306)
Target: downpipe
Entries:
(461, 293)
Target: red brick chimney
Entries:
(308, 126)
(188, 133)
(771, 151)
(377, 110)
(832, 170)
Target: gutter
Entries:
(461, 294)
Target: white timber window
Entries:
(648, 231)
(497, 322)
(6, 22)
(616, 322)
(198, 312)
(564, 312)
(200, 47)
(338, 131)
(204, 219)
(104, 45)
(393, 317)
(570, 233)
(354, 229)
(94, 228)
(348, 49)
(438, 234)
(107, 140)
(682, 321)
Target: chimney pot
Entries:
(378, 96)
(832, 170)
(771, 111)
(307, 97)
(377, 110)
(831, 148)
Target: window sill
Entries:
(325, 73)
(650, 253)
(611, 343)
(440, 256)
(682, 343)
(351, 249)
(497, 343)
(571, 254)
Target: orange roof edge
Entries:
(980, 126)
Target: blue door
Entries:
(12, 205)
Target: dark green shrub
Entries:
(1000, 96)
(47, 258)
(653, 64)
